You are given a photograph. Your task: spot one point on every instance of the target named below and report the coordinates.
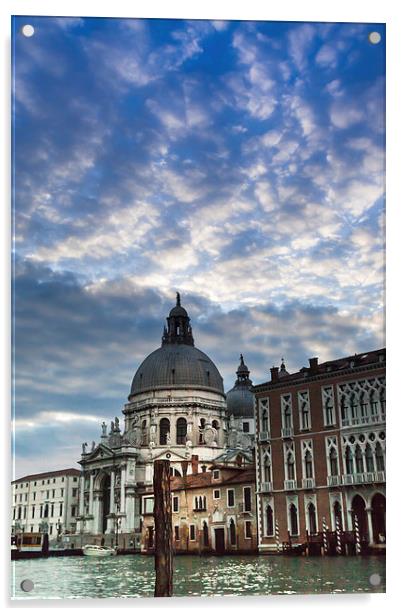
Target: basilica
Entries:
(177, 410)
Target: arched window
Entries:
(196, 503)
(215, 424)
(181, 431)
(269, 521)
(205, 534)
(382, 401)
(359, 460)
(333, 462)
(363, 406)
(232, 532)
(353, 406)
(338, 514)
(305, 416)
(164, 429)
(373, 403)
(369, 459)
(201, 431)
(287, 416)
(267, 468)
(290, 466)
(344, 411)
(264, 420)
(294, 526)
(144, 433)
(349, 461)
(329, 420)
(312, 520)
(379, 458)
(308, 465)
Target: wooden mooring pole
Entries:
(163, 529)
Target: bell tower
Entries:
(178, 330)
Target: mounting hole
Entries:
(27, 585)
(28, 30)
(375, 579)
(374, 38)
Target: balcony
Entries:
(334, 480)
(287, 432)
(289, 484)
(264, 436)
(363, 421)
(308, 483)
(266, 486)
(359, 478)
(199, 508)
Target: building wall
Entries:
(321, 487)
(50, 498)
(209, 505)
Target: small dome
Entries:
(240, 402)
(178, 311)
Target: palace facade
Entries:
(320, 453)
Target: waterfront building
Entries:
(320, 450)
(212, 512)
(176, 410)
(46, 501)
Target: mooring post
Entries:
(163, 529)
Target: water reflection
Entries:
(133, 576)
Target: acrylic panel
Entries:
(198, 299)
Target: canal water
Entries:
(133, 576)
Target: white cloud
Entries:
(343, 115)
(327, 56)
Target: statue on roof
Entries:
(178, 299)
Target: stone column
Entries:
(91, 493)
(82, 487)
(112, 480)
(370, 525)
(123, 489)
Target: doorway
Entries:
(219, 540)
(378, 518)
(359, 510)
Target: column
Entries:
(123, 489)
(91, 493)
(370, 525)
(112, 479)
(82, 487)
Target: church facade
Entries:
(176, 410)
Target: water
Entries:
(133, 576)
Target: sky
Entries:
(239, 163)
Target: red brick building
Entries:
(212, 512)
(321, 450)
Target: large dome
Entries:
(177, 365)
(239, 399)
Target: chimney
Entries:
(313, 365)
(194, 464)
(184, 467)
(274, 374)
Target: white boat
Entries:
(98, 550)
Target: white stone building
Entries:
(46, 500)
(176, 410)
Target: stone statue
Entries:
(168, 439)
(112, 427)
(104, 429)
(84, 447)
(93, 446)
(116, 424)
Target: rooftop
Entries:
(65, 471)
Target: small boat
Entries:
(98, 550)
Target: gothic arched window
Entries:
(312, 520)
(181, 431)
(267, 468)
(338, 514)
(232, 532)
(294, 526)
(290, 466)
(144, 433)
(359, 460)
(269, 521)
(349, 460)
(308, 465)
(164, 429)
(369, 459)
(379, 458)
(264, 421)
(333, 462)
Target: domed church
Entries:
(176, 410)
